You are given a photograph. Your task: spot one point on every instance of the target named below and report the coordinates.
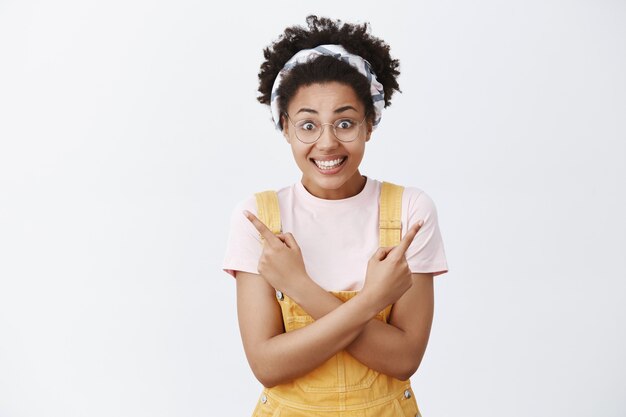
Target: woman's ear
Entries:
(370, 129)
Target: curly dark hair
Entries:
(355, 38)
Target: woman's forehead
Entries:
(332, 97)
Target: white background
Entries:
(129, 130)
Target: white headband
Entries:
(339, 52)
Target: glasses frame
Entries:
(323, 125)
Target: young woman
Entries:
(335, 272)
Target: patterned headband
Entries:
(339, 52)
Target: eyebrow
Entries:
(338, 110)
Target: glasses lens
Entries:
(347, 129)
(307, 130)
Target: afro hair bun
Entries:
(355, 38)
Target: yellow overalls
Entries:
(342, 386)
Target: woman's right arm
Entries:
(276, 356)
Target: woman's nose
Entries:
(327, 139)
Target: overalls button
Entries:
(279, 295)
(407, 394)
(263, 399)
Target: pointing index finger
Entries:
(408, 237)
(260, 226)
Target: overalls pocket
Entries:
(295, 322)
(340, 373)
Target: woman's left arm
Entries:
(404, 338)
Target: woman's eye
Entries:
(307, 126)
(345, 124)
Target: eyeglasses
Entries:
(345, 129)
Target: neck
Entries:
(349, 189)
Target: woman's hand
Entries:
(388, 275)
(281, 262)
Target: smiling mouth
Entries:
(328, 165)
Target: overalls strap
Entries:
(268, 211)
(390, 224)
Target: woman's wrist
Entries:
(372, 300)
(370, 303)
(302, 285)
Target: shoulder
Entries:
(413, 197)
(246, 203)
(415, 194)
(416, 200)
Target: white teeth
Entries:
(329, 164)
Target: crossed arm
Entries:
(404, 338)
(277, 357)
(395, 348)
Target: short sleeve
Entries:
(243, 246)
(426, 253)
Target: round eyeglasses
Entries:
(346, 129)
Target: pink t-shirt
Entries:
(337, 237)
